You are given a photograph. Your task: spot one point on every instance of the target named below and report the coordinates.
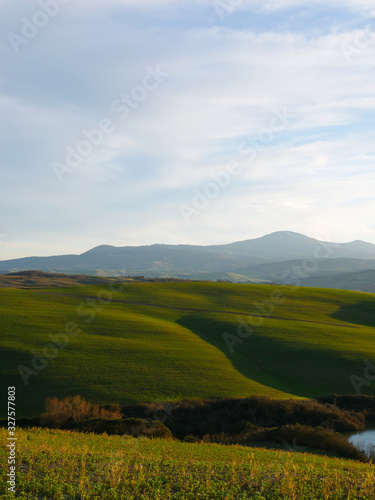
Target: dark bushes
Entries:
(22, 422)
(75, 413)
(193, 439)
(200, 417)
(295, 437)
(291, 424)
(350, 402)
(129, 426)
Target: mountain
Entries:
(267, 258)
(154, 259)
(287, 245)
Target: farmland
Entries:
(63, 465)
(137, 342)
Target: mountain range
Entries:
(277, 257)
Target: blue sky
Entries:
(288, 81)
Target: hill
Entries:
(169, 341)
(90, 466)
(362, 281)
(289, 270)
(41, 279)
(261, 259)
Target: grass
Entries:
(66, 465)
(134, 351)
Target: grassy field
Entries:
(61, 465)
(169, 341)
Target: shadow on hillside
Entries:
(283, 366)
(36, 380)
(361, 313)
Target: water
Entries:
(364, 440)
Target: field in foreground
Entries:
(60, 465)
(170, 341)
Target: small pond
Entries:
(364, 440)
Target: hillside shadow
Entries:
(361, 313)
(36, 385)
(283, 366)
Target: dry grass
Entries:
(72, 409)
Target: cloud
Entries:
(226, 79)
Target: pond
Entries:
(364, 440)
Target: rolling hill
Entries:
(360, 280)
(281, 272)
(170, 341)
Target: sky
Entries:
(133, 122)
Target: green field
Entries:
(63, 465)
(126, 348)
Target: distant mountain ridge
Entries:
(287, 245)
(265, 258)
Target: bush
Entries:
(129, 426)
(295, 438)
(191, 439)
(350, 402)
(212, 416)
(72, 409)
(23, 422)
(244, 426)
(114, 408)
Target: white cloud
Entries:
(225, 83)
(359, 5)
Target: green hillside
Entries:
(169, 341)
(360, 280)
(64, 465)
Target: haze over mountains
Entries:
(277, 257)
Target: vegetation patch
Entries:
(128, 426)
(294, 437)
(361, 403)
(67, 465)
(200, 417)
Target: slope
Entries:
(61, 464)
(168, 341)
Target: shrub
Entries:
(200, 417)
(350, 402)
(23, 422)
(191, 439)
(72, 409)
(294, 437)
(244, 426)
(129, 426)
